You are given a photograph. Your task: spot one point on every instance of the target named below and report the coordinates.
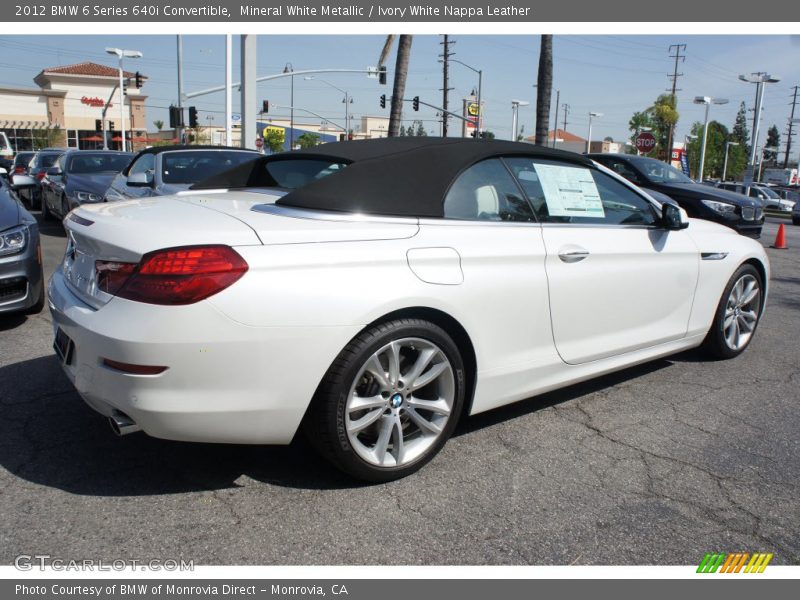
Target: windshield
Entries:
(296, 173)
(196, 165)
(659, 172)
(45, 161)
(769, 193)
(98, 163)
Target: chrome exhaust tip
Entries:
(121, 424)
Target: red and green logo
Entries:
(744, 562)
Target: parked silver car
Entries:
(168, 170)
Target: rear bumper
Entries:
(225, 382)
(21, 278)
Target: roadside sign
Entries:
(645, 142)
(259, 142)
(236, 117)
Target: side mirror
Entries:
(140, 180)
(20, 181)
(672, 217)
(53, 172)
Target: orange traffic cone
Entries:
(780, 239)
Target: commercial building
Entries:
(64, 109)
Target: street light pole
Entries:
(290, 69)
(480, 90)
(725, 167)
(589, 141)
(708, 101)
(515, 104)
(120, 54)
(347, 101)
(760, 79)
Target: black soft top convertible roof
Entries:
(407, 176)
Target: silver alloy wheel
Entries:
(400, 402)
(741, 312)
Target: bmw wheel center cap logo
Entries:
(396, 400)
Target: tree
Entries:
(399, 90)
(773, 141)
(740, 133)
(159, 124)
(715, 149)
(274, 139)
(410, 131)
(308, 140)
(544, 89)
(661, 117)
(521, 134)
(420, 129)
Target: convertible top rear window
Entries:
(293, 174)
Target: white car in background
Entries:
(376, 291)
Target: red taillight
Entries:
(173, 276)
(133, 369)
(40, 175)
(19, 169)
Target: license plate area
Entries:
(63, 346)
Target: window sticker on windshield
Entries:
(570, 191)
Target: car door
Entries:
(617, 280)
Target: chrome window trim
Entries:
(324, 215)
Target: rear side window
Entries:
(562, 193)
(196, 165)
(487, 192)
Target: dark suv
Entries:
(737, 211)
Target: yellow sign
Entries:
(473, 109)
(279, 132)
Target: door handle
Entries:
(573, 256)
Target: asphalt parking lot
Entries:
(657, 464)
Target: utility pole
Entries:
(445, 56)
(678, 57)
(179, 132)
(791, 129)
(555, 121)
(566, 114)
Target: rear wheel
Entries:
(389, 401)
(737, 315)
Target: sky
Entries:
(615, 75)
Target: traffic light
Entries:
(192, 117)
(383, 100)
(175, 117)
(98, 124)
(265, 106)
(111, 125)
(125, 87)
(341, 137)
(415, 103)
(382, 75)
(138, 80)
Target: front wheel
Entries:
(737, 315)
(389, 401)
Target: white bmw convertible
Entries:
(372, 293)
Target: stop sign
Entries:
(259, 142)
(645, 142)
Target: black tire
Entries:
(715, 345)
(324, 424)
(795, 221)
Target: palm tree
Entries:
(544, 89)
(159, 124)
(400, 76)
